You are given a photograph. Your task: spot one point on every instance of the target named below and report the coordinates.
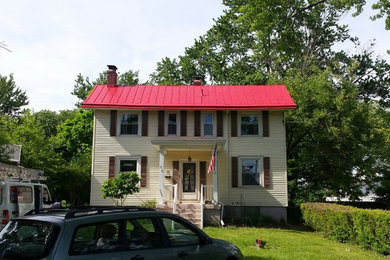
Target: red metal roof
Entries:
(245, 97)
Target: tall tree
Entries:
(12, 98)
(332, 137)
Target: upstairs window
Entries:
(208, 124)
(172, 123)
(129, 124)
(249, 125)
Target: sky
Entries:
(51, 42)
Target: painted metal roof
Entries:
(243, 97)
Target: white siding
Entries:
(273, 147)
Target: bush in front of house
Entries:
(367, 228)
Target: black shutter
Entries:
(111, 167)
(145, 118)
(265, 123)
(202, 172)
(183, 123)
(267, 172)
(113, 123)
(233, 115)
(234, 172)
(161, 123)
(144, 164)
(197, 123)
(219, 123)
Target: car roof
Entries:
(99, 213)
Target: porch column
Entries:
(215, 178)
(161, 198)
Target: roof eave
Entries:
(195, 107)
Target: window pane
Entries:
(45, 195)
(141, 234)
(128, 165)
(96, 238)
(208, 124)
(28, 239)
(172, 129)
(250, 172)
(13, 194)
(179, 234)
(25, 194)
(172, 124)
(249, 125)
(129, 124)
(208, 129)
(172, 118)
(208, 118)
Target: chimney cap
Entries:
(112, 67)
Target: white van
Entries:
(19, 195)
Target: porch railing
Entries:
(174, 195)
(206, 194)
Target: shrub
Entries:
(151, 204)
(367, 228)
(118, 188)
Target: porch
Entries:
(185, 186)
(206, 210)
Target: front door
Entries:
(190, 181)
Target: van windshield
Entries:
(24, 239)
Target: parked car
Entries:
(109, 233)
(19, 197)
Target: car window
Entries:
(179, 233)
(22, 239)
(96, 238)
(142, 234)
(25, 194)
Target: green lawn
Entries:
(289, 244)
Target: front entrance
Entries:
(190, 180)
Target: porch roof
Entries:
(187, 144)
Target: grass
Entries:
(289, 244)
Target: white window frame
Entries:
(126, 158)
(259, 123)
(119, 120)
(214, 122)
(260, 167)
(167, 120)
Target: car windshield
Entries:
(22, 239)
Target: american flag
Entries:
(212, 161)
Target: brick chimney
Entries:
(197, 81)
(112, 75)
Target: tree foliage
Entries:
(84, 85)
(119, 187)
(12, 98)
(336, 138)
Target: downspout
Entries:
(93, 153)
(227, 169)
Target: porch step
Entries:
(189, 211)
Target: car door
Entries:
(25, 198)
(185, 241)
(143, 240)
(99, 240)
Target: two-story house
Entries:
(167, 134)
